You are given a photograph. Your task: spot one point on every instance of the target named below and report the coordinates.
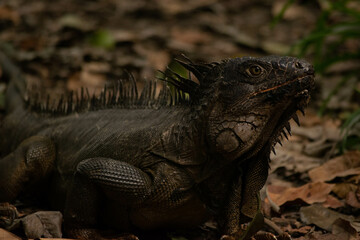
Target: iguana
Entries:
(172, 160)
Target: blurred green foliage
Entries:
(173, 67)
(327, 42)
(2, 96)
(102, 38)
(2, 101)
(334, 39)
(351, 132)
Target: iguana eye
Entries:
(254, 71)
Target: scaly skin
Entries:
(172, 166)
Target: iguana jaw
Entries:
(283, 128)
(278, 130)
(298, 101)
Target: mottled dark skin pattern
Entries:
(167, 167)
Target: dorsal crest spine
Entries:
(124, 93)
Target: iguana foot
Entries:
(94, 234)
(27, 165)
(270, 236)
(8, 213)
(228, 237)
(257, 236)
(128, 237)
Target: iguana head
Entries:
(244, 104)
(253, 100)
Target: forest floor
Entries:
(62, 45)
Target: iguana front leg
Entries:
(31, 162)
(95, 178)
(244, 199)
(232, 214)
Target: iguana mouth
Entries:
(306, 82)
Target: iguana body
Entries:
(138, 162)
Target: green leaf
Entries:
(177, 68)
(103, 39)
(278, 17)
(256, 224)
(348, 125)
(331, 94)
(178, 238)
(2, 101)
(2, 96)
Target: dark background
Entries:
(62, 45)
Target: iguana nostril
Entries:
(298, 65)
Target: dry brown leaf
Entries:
(353, 199)
(93, 75)
(332, 202)
(342, 98)
(321, 236)
(301, 230)
(266, 207)
(7, 13)
(190, 36)
(293, 160)
(323, 217)
(51, 239)
(342, 189)
(124, 35)
(5, 235)
(355, 179)
(309, 193)
(158, 59)
(73, 82)
(76, 22)
(285, 223)
(341, 166)
(33, 43)
(318, 148)
(311, 118)
(43, 223)
(343, 228)
(293, 12)
(181, 6)
(325, 129)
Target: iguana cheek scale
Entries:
(127, 160)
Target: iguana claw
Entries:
(270, 236)
(259, 236)
(8, 213)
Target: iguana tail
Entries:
(15, 93)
